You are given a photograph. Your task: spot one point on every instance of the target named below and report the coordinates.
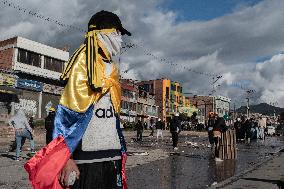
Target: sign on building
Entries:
(29, 84)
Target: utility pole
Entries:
(234, 111)
(248, 93)
(247, 107)
(214, 80)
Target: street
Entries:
(151, 165)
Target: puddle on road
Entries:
(184, 171)
(196, 169)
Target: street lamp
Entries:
(250, 91)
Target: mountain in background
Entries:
(261, 108)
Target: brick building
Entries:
(206, 104)
(33, 70)
(136, 102)
(128, 100)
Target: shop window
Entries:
(173, 87)
(178, 88)
(167, 92)
(53, 64)
(29, 58)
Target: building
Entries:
(222, 105)
(128, 100)
(206, 104)
(146, 105)
(31, 72)
(136, 102)
(168, 96)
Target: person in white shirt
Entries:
(261, 127)
(22, 130)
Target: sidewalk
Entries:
(262, 176)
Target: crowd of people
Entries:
(252, 128)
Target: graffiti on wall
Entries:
(28, 106)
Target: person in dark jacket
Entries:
(237, 126)
(248, 127)
(210, 125)
(175, 128)
(152, 126)
(49, 125)
(219, 127)
(139, 129)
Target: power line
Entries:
(133, 45)
(39, 16)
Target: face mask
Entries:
(112, 42)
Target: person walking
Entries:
(88, 145)
(152, 125)
(145, 125)
(261, 127)
(210, 125)
(139, 130)
(22, 130)
(49, 125)
(218, 128)
(160, 126)
(175, 129)
(248, 129)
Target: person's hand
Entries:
(67, 169)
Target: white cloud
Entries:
(227, 45)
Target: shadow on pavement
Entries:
(280, 183)
(8, 156)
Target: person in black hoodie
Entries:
(219, 127)
(49, 125)
(139, 129)
(175, 128)
(210, 125)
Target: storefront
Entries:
(8, 95)
(29, 97)
(50, 98)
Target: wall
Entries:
(6, 58)
(28, 102)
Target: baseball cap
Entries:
(106, 20)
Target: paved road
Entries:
(193, 168)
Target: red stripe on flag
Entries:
(44, 168)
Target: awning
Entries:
(8, 94)
(9, 90)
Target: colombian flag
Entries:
(45, 167)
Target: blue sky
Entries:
(205, 9)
